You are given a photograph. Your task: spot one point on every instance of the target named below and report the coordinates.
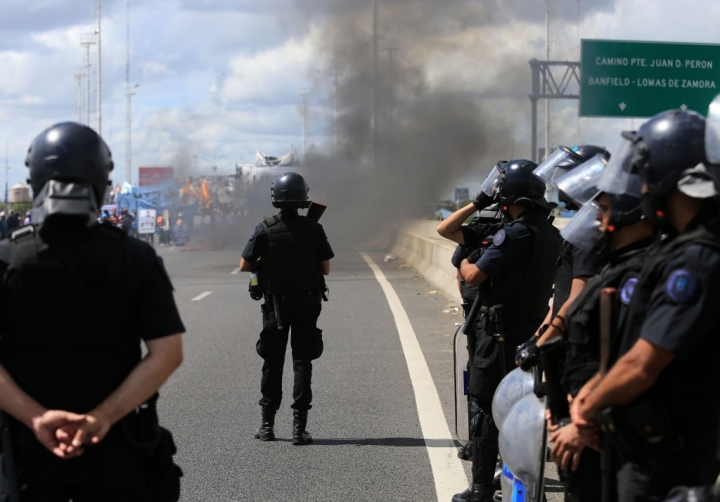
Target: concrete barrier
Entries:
(418, 243)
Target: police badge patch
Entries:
(499, 237)
(627, 290)
(681, 286)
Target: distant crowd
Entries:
(12, 221)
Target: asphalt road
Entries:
(369, 443)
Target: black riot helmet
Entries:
(72, 153)
(289, 190)
(664, 150)
(626, 210)
(518, 185)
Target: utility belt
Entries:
(644, 421)
(141, 429)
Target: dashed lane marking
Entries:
(234, 272)
(201, 296)
(447, 469)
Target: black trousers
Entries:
(486, 372)
(656, 468)
(299, 313)
(111, 471)
(585, 484)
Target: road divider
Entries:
(447, 469)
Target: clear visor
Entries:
(712, 132)
(581, 183)
(583, 230)
(550, 170)
(617, 177)
(489, 186)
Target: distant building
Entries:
(290, 159)
(19, 193)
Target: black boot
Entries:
(300, 435)
(474, 493)
(265, 432)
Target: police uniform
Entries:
(582, 348)
(573, 263)
(674, 307)
(77, 303)
(520, 270)
(290, 248)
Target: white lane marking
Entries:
(234, 272)
(447, 469)
(201, 296)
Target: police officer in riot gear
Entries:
(659, 404)
(515, 276)
(291, 254)
(621, 237)
(575, 265)
(72, 376)
(475, 238)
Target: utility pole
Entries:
(547, 58)
(373, 119)
(7, 168)
(335, 74)
(78, 93)
(304, 94)
(129, 94)
(392, 48)
(87, 40)
(99, 67)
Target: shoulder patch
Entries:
(627, 290)
(252, 234)
(681, 286)
(499, 237)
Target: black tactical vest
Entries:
(582, 339)
(688, 389)
(563, 277)
(291, 264)
(70, 335)
(536, 288)
(486, 232)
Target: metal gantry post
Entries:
(545, 85)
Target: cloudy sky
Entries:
(220, 78)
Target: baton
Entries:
(9, 461)
(277, 312)
(496, 313)
(472, 315)
(607, 298)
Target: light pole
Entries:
(7, 168)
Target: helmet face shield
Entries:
(581, 184)
(617, 177)
(557, 165)
(489, 186)
(583, 230)
(712, 132)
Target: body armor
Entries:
(291, 264)
(49, 354)
(536, 289)
(582, 343)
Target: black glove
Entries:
(474, 255)
(482, 201)
(528, 354)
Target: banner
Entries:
(153, 197)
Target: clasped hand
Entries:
(64, 433)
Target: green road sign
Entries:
(641, 79)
